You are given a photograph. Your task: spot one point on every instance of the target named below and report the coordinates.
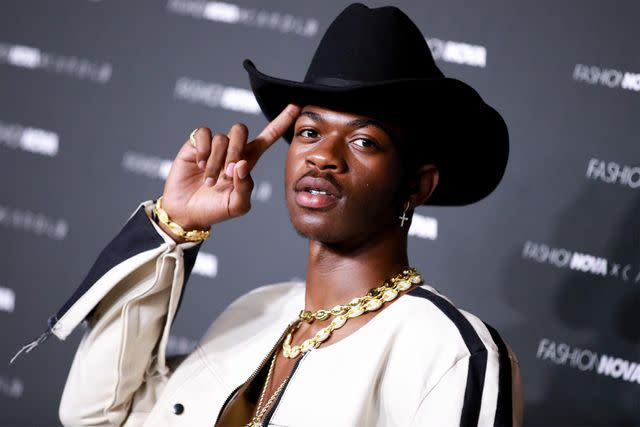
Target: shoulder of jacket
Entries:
(454, 326)
(260, 306)
(266, 295)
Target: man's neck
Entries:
(336, 276)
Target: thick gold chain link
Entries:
(373, 300)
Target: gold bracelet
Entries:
(191, 235)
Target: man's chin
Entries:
(317, 232)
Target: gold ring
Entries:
(192, 137)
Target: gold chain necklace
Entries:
(372, 301)
(256, 421)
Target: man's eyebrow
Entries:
(313, 116)
(360, 123)
(357, 123)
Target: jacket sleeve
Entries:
(464, 397)
(128, 300)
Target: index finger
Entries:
(273, 131)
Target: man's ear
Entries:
(425, 182)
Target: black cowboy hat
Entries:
(376, 62)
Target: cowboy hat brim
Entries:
(467, 138)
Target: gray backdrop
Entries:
(97, 97)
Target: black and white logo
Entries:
(216, 95)
(586, 360)
(607, 77)
(34, 58)
(230, 13)
(458, 52)
(30, 139)
(613, 173)
(580, 261)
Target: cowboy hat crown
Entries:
(353, 52)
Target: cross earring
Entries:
(404, 217)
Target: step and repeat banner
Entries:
(98, 96)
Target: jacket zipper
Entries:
(255, 372)
(226, 402)
(267, 417)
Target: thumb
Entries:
(240, 197)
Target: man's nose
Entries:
(328, 155)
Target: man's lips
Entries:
(316, 192)
(317, 185)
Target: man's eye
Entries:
(308, 133)
(364, 142)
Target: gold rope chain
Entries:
(372, 301)
(261, 410)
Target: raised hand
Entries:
(212, 183)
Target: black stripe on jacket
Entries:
(138, 235)
(504, 408)
(477, 360)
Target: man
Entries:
(369, 142)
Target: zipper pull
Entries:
(33, 344)
(51, 322)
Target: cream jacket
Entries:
(421, 361)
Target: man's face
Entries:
(342, 177)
